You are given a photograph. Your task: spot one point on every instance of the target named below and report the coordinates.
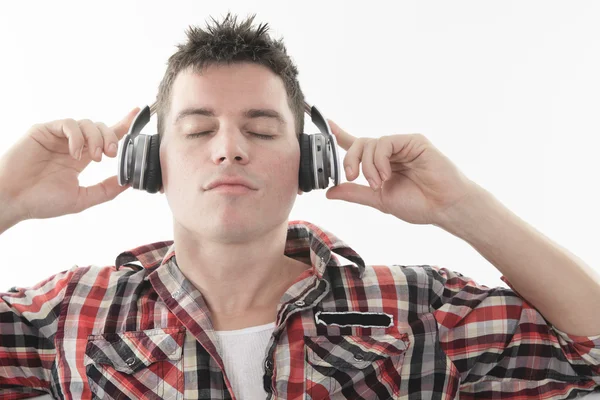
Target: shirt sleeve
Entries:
(502, 344)
(28, 325)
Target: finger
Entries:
(343, 138)
(99, 193)
(68, 128)
(353, 158)
(354, 193)
(368, 166)
(93, 137)
(383, 153)
(110, 139)
(122, 127)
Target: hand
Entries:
(39, 174)
(419, 183)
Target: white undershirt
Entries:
(243, 352)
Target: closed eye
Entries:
(195, 135)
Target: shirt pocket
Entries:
(340, 367)
(136, 365)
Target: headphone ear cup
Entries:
(305, 175)
(153, 179)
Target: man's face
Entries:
(230, 105)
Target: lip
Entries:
(230, 183)
(232, 189)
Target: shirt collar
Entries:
(304, 239)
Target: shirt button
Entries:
(269, 365)
(300, 303)
(130, 361)
(359, 357)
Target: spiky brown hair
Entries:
(228, 42)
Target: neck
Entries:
(241, 277)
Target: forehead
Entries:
(227, 88)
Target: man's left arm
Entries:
(562, 287)
(495, 340)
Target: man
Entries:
(246, 304)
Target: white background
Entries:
(508, 90)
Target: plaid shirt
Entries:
(341, 331)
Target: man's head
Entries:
(228, 85)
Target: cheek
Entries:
(179, 172)
(181, 160)
(284, 169)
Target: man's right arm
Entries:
(45, 164)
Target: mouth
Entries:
(231, 189)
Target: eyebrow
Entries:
(250, 113)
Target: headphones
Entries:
(139, 162)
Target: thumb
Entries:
(354, 193)
(99, 193)
(122, 127)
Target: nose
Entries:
(229, 145)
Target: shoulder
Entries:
(57, 284)
(400, 274)
(106, 279)
(394, 282)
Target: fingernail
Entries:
(112, 147)
(80, 151)
(372, 183)
(98, 152)
(348, 171)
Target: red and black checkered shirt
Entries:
(343, 330)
